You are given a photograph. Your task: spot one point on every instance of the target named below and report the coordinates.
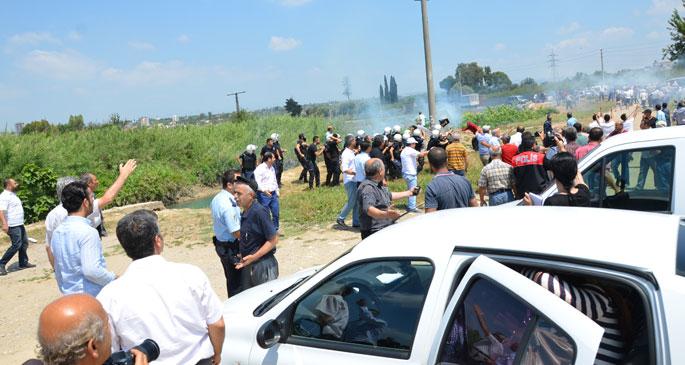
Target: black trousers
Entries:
(278, 166)
(227, 253)
(266, 269)
(303, 174)
(313, 174)
(332, 173)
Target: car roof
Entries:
(617, 237)
(641, 135)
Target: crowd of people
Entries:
(154, 294)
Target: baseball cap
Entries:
(411, 140)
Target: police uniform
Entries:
(249, 163)
(225, 221)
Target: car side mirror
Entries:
(269, 334)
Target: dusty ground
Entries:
(187, 235)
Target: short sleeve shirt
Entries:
(359, 162)
(249, 161)
(256, 228)
(373, 194)
(448, 191)
(225, 216)
(10, 203)
(409, 160)
(456, 156)
(311, 152)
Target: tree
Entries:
(393, 90)
(346, 87)
(381, 95)
(385, 90)
(470, 75)
(676, 27)
(499, 81)
(293, 107)
(75, 123)
(528, 81)
(447, 83)
(37, 126)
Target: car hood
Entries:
(249, 299)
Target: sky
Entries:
(164, 58)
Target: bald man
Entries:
(74, 329)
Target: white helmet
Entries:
(396, 128)
(275, 136)
(360, 133)
(385, 138)
(250, 148)
(438, 127)
(397, 137)
(406, 131)
(387, 130)
(406, 135)
(435, 133)
(417, 133)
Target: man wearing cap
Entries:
(248, 162)
(457, 161)
(267, 187)
(348, 170)
(258, 239)
(409, 159)
(375, 200)
(226, 226)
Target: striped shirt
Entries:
(592, 301)
(456, 156)
(496, 176)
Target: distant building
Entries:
(144, 121)
(19, 127)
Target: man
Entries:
(56, 216)
(570, 121)
(446, 190)
(80, 266)
(667, 113)
(375, 200)
(594, 139)
(169, 302)
(332, 156)
(483, 137)
(618, 129)
(278, 153)
(329, 133)
(248, 162)
(679, 115)
(497, 180)
(648, 121)
(530, 173)
(516, 137)
(258, 239)
(12, 217)
(581, 137)
(628, 122)
(571, 136)
(100, 203)
(660, 115)
(300, 150)
(377, 147)
(313, 152)
(360, 160)
(268, 190)
(226, 226)
(409, 159)
(269, 147)
(347, 167)
(547, 125)
(607, 125)
(457, 160)
(74, 329)
(421, 120)
(508, 150)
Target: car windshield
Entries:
(274, 300)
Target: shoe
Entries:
(341, 222)
(27, 266)
(3, 271)
(413, 211)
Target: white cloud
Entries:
(74, 36)
(569, 28)
(183, 39)
(141, 46)
(31, 39)
(293, 2)
(500, 47)
(280, 44)
(578, 42)
(663, 7)
(146, 73)
(617, 32)
(68, 65)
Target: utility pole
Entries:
(429, 64)
(237, 104)
(553, 65)
(601, 60)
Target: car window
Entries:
(492, 326)
(371, 305)
(639, 179)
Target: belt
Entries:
(217, 242)
(499, 191)
(270, 192)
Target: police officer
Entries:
(226, 225)
(313, 152)
(332, 158)
(278, 152)
(248, 162)
(300, 151)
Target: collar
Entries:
(145, 263)
(77, 218)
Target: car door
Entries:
(499, 316)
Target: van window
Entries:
(640, 179)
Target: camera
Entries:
(415, 191)
(148, 347)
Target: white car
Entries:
(445, 288)
(642, 170)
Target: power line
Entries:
(237, 104)
(553, 65)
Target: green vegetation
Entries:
(506, 114)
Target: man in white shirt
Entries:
(171, 303)
(99, 204)
(348, 170)
(515, 138)
(12, 217)
(421, 120)
(268, 193)
(409, 158)
(607, 125)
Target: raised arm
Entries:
(111, 193)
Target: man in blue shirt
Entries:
(571, 121)
(258, 238)
(80, 266)
(226, 225)
(360, 160)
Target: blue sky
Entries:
(160, 58)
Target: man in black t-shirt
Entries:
(312, 153)
(248, 162)
(300, 150)
(332, 158)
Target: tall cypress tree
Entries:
(393, 90)
(380, 94)
(386, 99)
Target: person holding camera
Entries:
(75, 329)
(375, 200)
(170, 302)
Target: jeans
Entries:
(313, 174)
(501, 198)
(351, 191)
(458, 172)
(270, 203)
(411, 183)
(266, 269)
(248, 175)
(19, 242)
(646, 163)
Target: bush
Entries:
(36, 191)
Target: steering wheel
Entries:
(364, 291)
